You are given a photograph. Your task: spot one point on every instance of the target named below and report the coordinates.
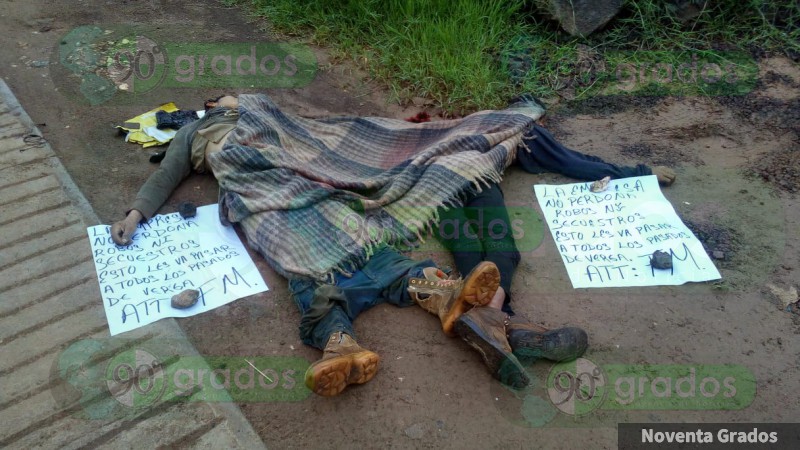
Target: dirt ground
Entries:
(738, 166)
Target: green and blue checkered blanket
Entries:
(316, 197)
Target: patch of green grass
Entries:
(648, 31)
(475, 54)
(653, 25)
(444, 50)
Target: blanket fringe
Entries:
(414, 237)
(522, 142)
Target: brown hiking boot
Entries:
(449, 299)
(484, 330)
(343, 363)
(531, 342)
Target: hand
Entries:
(228, 101)
(665, 175)
(122, 231)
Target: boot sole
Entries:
(480, 285)
(528, 348)
(503, 365)
(330, 377)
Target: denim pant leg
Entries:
(396, 292)
(347, 298)
(316, 325)
(392, 272)
(548, 155)
(384, 278)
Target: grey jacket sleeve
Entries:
(175, 167)
(177, 164)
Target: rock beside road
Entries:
(581, 17)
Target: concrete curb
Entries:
(44, 322)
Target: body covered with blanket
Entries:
(318, 196)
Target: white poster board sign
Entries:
(606, 239)
(170, 254)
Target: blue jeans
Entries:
(327, 309)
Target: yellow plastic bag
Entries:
(142, 128)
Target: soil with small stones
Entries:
(768, 112)
(780, 169)
(719, 242)
(606, 105)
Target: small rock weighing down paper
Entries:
(606, 239)
(168, 255)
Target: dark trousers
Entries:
(486, 210)
(548, 155)
(326, 309)
(482, 231)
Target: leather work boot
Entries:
(484, 330)
(449, 299)
(531, 342)
(343, 363)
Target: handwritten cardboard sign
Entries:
(170, 254)
(606, 239)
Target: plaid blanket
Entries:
(316, 197)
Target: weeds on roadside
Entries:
(467, 55)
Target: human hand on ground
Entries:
(665, 175)
(226, 101)
(122, 231)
